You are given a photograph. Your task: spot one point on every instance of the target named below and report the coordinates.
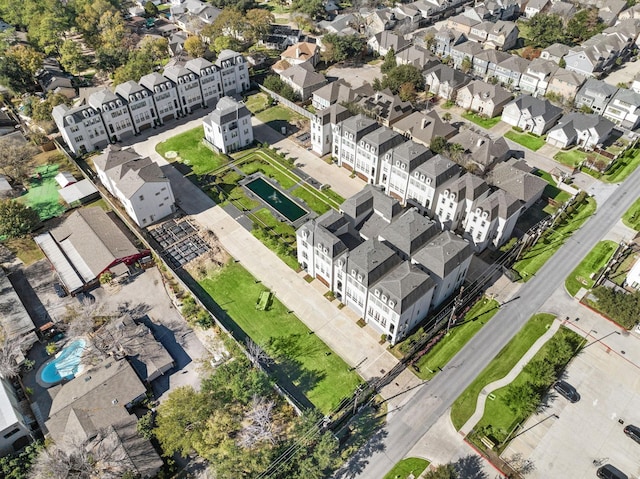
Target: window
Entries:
(11, 433)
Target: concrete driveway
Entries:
(356, 76)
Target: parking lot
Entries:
(572, 440)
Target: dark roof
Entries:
(499, 204)
(446, 74)
(443, 254)
(439, 169)
(372, 260)
(412, 154)
(537, 107)
(405, 284)
(520, 184)
(409, 232)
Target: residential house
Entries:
(502, 36)
(302, 52)
(370, 151)
(486, 62)
(176, 43)
(632, 13)
(322, 124)
(444, 82)
(635, 85)
(187, 87)
(385, 107)
(398, 165)
(535, 6)
(510, 71)
(192, 15)
(633, 276)
(281, 36)
(210, 80)
(480, 32)
(595, 95)
(85, 245)
(409, 18)
(234, 72)
(52, 79)
(15, 430)
(624, 109)
(446, 258)
(81, 128)
(483, 98)
(531, 114)
(417, 56)
(428, 180)
(455, 201)
(15, 322)
(346, 137)
(610, 11)
(335, 92)
(516, 178)
(481, 152)
(140, 103)
(385, 41)
(565, 84)
(164, 95)
(464, 50)
(627, 31)
(536, 78)
(228, 128)
(555, 52)
(138, 183)
(584, 131)
(424, 127)
(342, 24)
(303, 79)
(503, 9)
(445, 39)
(479, 13)
(564, 10)
(492, 219)
(461, 23)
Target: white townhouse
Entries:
(234, 72)
(346, 136)
(115, 114)
(138, 183)
(492, 219)
(321, 127)
(210, 80)
(164, 95)
(81, 128)
(187, 87)
(15, 432)
(398, 165)
(228, 128)
(456, 199)
(371, 149)
(624, 109)
(140, 103)
(428, 179)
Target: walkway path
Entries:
(517, 369)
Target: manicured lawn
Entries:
(406, 467)
(285, 230)
(42, 194)
(312, 200)
(449, 346)
(570, 158)
(192, 151)
(546, 177)
(631, 217)
(464, 407)
(537, 256)
(525, 139)
(233, 193)
(332, 195)
(278, 116)
(590, 265)
(497, 414)
(486, 123)
(286, 180)
(25, 249)
(257, 102)
(623, 167)
(302, 358)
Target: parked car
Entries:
(633, 432)
(609, 472)
(60, 291)
(567, 391)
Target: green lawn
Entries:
(537, 256)
(278, 116)
(570, 158)
(464, 407)
(192, 151)
(25, 249)
(498, 416)
(302, 358)
(631, 217)
(257, 102)
(312, 200)
(42, 194)
(486, 123)
(406, 467)
(449, 346)
(623, 167)
(285, 230)
(526, 139)
(286, 180)
(590, 265)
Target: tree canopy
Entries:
(545, 29)
(400, 75)
(16, 219)
(313, 8)
(340, 47)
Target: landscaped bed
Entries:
(301, 358)
(464, 407)
(191, 151)
(590, 267)
(528, 140)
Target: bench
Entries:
(487, 442)
(264, 301)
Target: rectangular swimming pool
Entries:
(276, 199)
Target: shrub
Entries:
(623, 308)
(106, 277)
(518, 129)
(51, 349)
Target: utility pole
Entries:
(456, 303)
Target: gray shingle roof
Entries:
(580, 122)
(113, 156)
(405, 284)
(520, 184)
(411, 154)
(443, 254)
(469, 186)
(303, 75)
(337, 91)
(537, 107)
(424, 127)
(439, 169)
(228, 109)
(409, 232)
(372, 259)
(499, 204)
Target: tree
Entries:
(522, 399)
(258, 423)
(11, 348)
(429, 40)
(583, 25)
(542, 373)
(313, 8)
(16, 219)
(531, 53)
(446, 116)
(438, 144)
(341, 47)
(562, 63)
(466, 64)
(403, 74)
(545, 29)
(445, 471)
(14, 77)
(407, 92)
(71, 57)
(15, 158)
(230, 22)
(224, 43)
(275, 84)
(146, 425)
(193, 46)
(27, 57)
(256, 353)
(259, 23)
(389, 61)
(46, 32)
(150, 9)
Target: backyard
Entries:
(550, 242)
(465, 405)
(301, 358)
(257, 102)
(448, 346)
(619, 170)
(528, 140)
(591, 265)
(189, 149)
(278, 117)
(25, 249)
(42, 193)
(483, 121)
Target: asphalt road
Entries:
(406, 426)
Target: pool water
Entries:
(65, 365)
(276, 199)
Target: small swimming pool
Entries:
(276, 199)
(65, 365)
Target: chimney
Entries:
(479, 142)
(425, 122)
(297, 52)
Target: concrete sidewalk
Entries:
(489, 388)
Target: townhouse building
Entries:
(210, 80)
(114, 113)
(234, 72)
(398, 165)
(595, 95)
(164, 94)
(228, 127)
(492, 219)
(140, 103)
(81, 128)
(624, 109)
(322, 125)
(538, 75)
(187, 87)
(346, 136)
